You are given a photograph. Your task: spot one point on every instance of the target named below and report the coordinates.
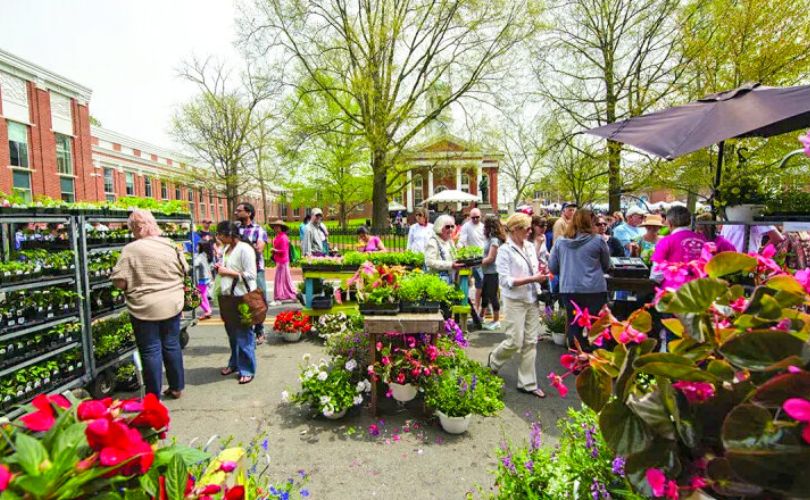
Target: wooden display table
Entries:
(401, 324)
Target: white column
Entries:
(409, 191)
(478, 182)
(430, 183)
(458, 184)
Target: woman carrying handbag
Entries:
(237, 279)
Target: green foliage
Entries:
(580, 466)
(715, 398)
(406, 258)
(466, 387)
(417, 286)
(347, 338)
(330, 387)
(470, 252)
(555, 320)
(790, 201)
(112, 335)
(741, 188)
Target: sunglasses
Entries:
(601, 223)
(475, 218)
(450, 226)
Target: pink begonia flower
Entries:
(660, 486)
(803, 277)
(605, 335)
(794, 369)
(799, 409)
(337, 295)
(782, 326)
(581, 317)
(805, 140)
(557, 382)
(630, 334)
(5, 477)
(659, 294)
(739, 304)
(374, 430)
(697, 483)
(695, 392)
(227, 466)
(765, 262)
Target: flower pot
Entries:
(338, 415)
(291, 336)
(454, 425)
(402, 392)
(558, 338)
(743, 213)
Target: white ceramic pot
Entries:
(291, 336)
(338, 415)
(454, 425)
(558, 338)
(742, 213)
(402, 392)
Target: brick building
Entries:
(54, 151)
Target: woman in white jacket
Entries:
(237, 274)
(519, 277)
(440, 249)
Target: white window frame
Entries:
(418, 189)
(27, 148)
(129, 183)
(107, 193)
(64, 156)
(147, 186)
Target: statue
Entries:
(484, 189)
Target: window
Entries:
(297, 212)
(22, 184)
(418, 190)
(283, 210)
(129, 180)
(465, 183)
(202, 199)
(191, 200)
(147, 187)
(68, 192)
(211, 199)
(109, 184)
(177, 193)
(164, 190)
(18, 144)
(64, 156)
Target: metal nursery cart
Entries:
(46, 349)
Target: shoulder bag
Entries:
(254, 300)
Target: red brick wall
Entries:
(5, 157)
(43, 145)
(82, 153)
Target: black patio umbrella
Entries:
(748, 111)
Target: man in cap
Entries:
(568, 211)
(254, 235)
(315, 236)
(630, 232)
(472, 235)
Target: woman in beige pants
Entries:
(518, 277)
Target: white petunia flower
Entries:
(322, 376)
(285, 396)
(367, 385)
(360, 387)
(351, 365)
(358, 399)
(306, 357)
(325, 400)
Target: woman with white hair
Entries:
(440, 248)
(150, 271)
(519, 277)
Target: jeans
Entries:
(243, 349)
(261, 284)
(159, 345)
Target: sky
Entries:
(127, 52)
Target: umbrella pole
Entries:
(718, 173)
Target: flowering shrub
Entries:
(330, 387)
(413, 363)
(350, 342)
(726, 407)
(465, 388)
(581, 466)
(338, 323)
(111, 449)
(292, 322)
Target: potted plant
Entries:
(411, 293)
(555, 320)
(789, 203)
(461, 391)
(742, 196)
(330, 388)
(377, 288)
(405, 368)
(726, 407)
(470, 256)
(291, 325)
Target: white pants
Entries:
(521, 321)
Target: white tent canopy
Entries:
(452, 196)
(395, 206)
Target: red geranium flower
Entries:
(93, 409)
(119, 446)
(43, 419)
(235, 493)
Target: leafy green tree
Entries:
(384, 56)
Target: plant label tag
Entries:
(50, 315)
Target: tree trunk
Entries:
(342, 215)
(379, 200)
(264, 198)
(614, 176)
(691, 201)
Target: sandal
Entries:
(227, 371)
(538, 393)
(173, 394)
(260, 339)
(245, 379)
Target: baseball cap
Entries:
(316, 211)
(569, 204)
(635, 211)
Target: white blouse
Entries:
(515, 262)
(241, 259)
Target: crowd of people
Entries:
(525, 261)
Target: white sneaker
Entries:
(274, 303)
(495, 325)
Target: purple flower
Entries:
(598, 490)
(474, 382)
(618, 466)
(265, 444)
(304, 493)
(529, 465)
(589, 442)
(507, 462)
(536, 436)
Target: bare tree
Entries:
(218, 123)
(608, 60)
(385, 55)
